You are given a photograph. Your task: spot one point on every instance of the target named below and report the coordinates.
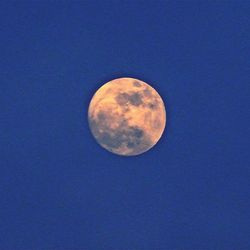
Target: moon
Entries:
(127, 116)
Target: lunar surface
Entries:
(127, 116)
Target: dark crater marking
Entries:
(153, 105)
(147, 92)
(134, 98)
(137, 84)
(112, 139)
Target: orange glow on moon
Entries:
(127, 116)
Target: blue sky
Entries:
(60, 190)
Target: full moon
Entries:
(127, 116)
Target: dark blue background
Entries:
(59, 189)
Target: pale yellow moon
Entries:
(127, 116)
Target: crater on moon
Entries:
(127, 116)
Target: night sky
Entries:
(60, 190)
